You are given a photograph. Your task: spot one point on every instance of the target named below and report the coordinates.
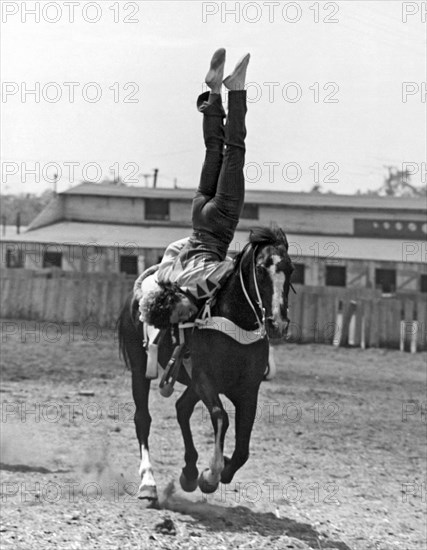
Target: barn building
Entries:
(335, 240)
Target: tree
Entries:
(397, 184)
(27, 205)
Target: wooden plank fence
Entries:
(328, 315)
(63, 297)
(358, 317)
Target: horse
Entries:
(254, 299)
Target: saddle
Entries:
(180, 356)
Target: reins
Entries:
(261, 322)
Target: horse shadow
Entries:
(238, 519)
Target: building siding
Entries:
(294, 220)
(104, 209)
(323, 221)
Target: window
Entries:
(156, 209)
(52, 259)
(423, 283)
(14, 258)
(335, 275)
(250, 212)
(390, 229)
(129, 265)
(385, 280)
(298, 274)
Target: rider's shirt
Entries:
(194, 269)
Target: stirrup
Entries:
(171, 371)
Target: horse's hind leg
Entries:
(184, 409)
(140, 390)
(131, 348)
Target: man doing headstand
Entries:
(193, 268)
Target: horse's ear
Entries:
(284, 238)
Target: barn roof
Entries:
(120, 236)
(261, 197)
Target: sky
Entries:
(335, 91)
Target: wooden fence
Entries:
(329, 315)
(66, 297)
(358, 317)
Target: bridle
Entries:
(260, 321)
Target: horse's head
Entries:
(268, 254)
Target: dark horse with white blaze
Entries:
(255, 298)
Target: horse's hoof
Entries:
(187, 485)
(207, 486)
(148, 493)
(227, 473)
(227, 476)
(166, 390)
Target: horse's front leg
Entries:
(209, 479)
(140, 390)
(246, 409)
(184, 409)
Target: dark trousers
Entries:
(220, 195)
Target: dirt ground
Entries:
(338, 452)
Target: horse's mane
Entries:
(262, 236)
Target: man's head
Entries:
(167, 305)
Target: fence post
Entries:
(348, 313)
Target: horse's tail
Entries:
(127, 329)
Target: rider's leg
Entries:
(215, 217)
(210, 104)
(230, 193)
(231, 183)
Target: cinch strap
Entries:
(229, 328)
